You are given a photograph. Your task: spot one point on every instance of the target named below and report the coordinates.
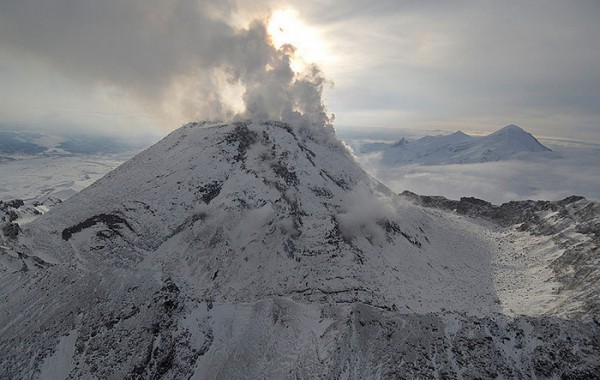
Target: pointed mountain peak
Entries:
(459, 133)
(459, 136)
(399, 143)
(511, 129)
(516, 136)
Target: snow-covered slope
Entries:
(508, 143)
(547, 259)
(261, 250)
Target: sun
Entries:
(285, 27)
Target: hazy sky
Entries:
(131, 66)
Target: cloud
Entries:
(411, 64)
(576, 173)
(184, 59)
(466, 65)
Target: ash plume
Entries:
(178, 57)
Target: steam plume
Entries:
(180, 55)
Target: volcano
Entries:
(262, 250)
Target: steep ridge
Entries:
(262, 250)
(508, 143)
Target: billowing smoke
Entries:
(362, 212)
(182, 58)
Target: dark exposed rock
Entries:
(286, 174)
(210, 191)
(393, 228)
(507, 214)
(340, 182)
(244, 138)
(322, 192)
(15, 203)
(12, 215)
(426, 346)
(113, 222)
(187, 223)
(11, 230)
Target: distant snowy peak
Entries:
(461, 134)
(458, 136)
(510, 129)
(508, 143)
(518, 138)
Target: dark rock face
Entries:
(113, 222)
(11, 230)
(15, 203)
(586, 218)
(12, 215)
(244, 138)
(209, 191)
(8, 215)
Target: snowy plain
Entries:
(39, 176)
(35, 165)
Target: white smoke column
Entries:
(178, 56)
(273, 91)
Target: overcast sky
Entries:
(132, 66)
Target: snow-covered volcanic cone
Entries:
(261, 250)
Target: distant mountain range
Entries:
(508, 143)
(25, 143)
